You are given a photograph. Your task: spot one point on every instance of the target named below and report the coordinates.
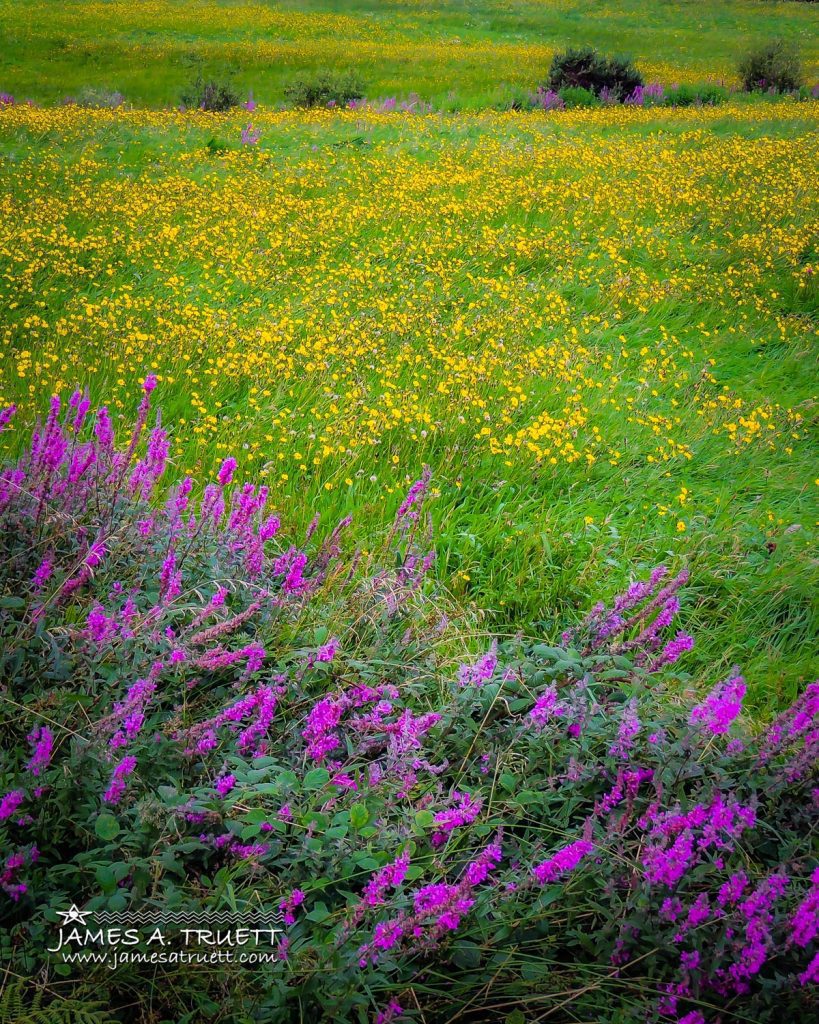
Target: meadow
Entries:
(454, 53)
(408, 516)
(595, 327)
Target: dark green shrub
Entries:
(325, 88)
(587, 69)
(209, 94)
(578, 97)
(773, 65)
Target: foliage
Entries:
(211, 94)
(774, 66)
(17, 1008)
(576, 96)
(324, 88)
(200, 714)
(587, 69)
(690, 95)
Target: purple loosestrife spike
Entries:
(259, 707)
(141, 419)
(6, 416)
(810, 976)
(562, 862)
(8, 876)
(95, 554)
(81, 403)
(546, 99)
(288, 906)
(720, 707)
(438, 910)
(129, 715)
(757, 911)
(225, 784)
(719, 824)
(408, 509)
(478, 870)
(42, 574)
(482, 670)
(465, 811)
(117, 785)
(226, 471)
(100, 627)
(627, 732)
(43, 742)
(666, 866)
(795, 734)
(805, 921)
(392, 1011)
(252, 654)
(731, 892)
(147, 471)
(391, 876)
(103, 431)
(10, 802)
(170, 579)
(250, 136)
(672, 652)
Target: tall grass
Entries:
(358, 294)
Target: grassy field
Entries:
(454, 53)
(597, 328)
(370, 629)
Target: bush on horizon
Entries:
(773, 66)
(324, 88)
(585, 68)
(200, 714)
(210, 93)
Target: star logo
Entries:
(73, 914)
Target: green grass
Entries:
(455, 53)
(375, 249)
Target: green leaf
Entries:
(316, 779)
(366, 862)
(107, 826)
(359, 815)
(118, 901)
(509, 782)
(318, 913)
(467, 955)
(105, 876)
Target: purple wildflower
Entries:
(720, 707)
(560, 863)
(118, 783)
(10, 802)
(225, 784)
(43, 742)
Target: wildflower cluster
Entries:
(248, 704)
